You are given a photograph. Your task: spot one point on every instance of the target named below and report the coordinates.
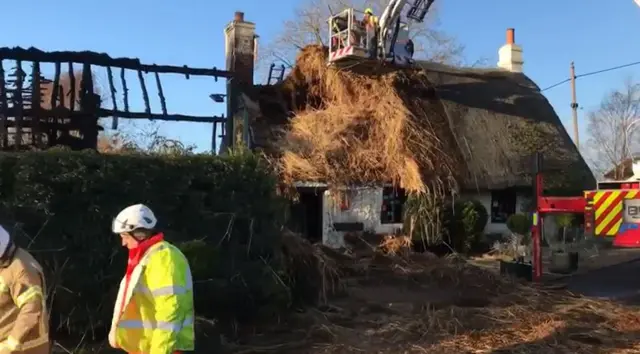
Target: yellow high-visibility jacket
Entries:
(24, 323)
(158, 314)
(372, 22)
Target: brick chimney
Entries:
(240, 54)
(240, 39)
(510, 54)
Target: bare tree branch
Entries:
(144, 140)
(310, 26)
(612, 129)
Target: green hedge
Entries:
(223, 212)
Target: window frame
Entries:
(395, 198)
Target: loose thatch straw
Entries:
(423, 304)
(363, 128)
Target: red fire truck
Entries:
(611, 210)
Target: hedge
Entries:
(223, 212)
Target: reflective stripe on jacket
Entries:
(158, 314)
(24, 326)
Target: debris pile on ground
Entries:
(350, 126)
(420, 303)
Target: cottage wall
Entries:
(522, 200)
(364, 206)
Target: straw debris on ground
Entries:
(420, 303)
(363, 127)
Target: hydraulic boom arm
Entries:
(392, 15)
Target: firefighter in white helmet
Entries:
(24, 323)
(154, 312)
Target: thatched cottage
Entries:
(409, 127)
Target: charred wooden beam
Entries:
(164, 117)
(4, 107)
(64, 113)
(223, 135)
(125, 90)
(114, 101)
(214, 138)
(103, 59)
(145, 94)
(86, 85)
(72, 90)
(36, 104)
(62, 100)
(17, 102)
(71, 125)
(55, 86)
(163, 102)
(89, 105)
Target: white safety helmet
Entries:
(5, 241)
(134, 217)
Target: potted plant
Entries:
(563, 261)
(520, 226)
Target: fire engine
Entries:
(611, 210)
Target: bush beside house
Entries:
(464, 225)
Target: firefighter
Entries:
(339, 25)
(370, 23)
(410, 48)
(24, 323)
(154, 312)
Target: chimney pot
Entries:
(238, 16)
(511, 36)
(510, 54)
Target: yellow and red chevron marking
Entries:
(608, 209)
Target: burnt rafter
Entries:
(37, 112)
(103, 59)
(65, 113)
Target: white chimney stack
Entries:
(510, 54)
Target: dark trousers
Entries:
(372, 43)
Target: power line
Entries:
(592, 73)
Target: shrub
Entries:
(519, 224)
(222, 211)
(465, 223)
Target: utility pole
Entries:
(574, 105)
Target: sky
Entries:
(594, 34)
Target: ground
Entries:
(618, 282)
(590, 259)
(421, 304)
(418, 303)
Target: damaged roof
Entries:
(498, 119)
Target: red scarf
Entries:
(135, 255)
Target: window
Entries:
(503, 205)
(392, 205)
(344, 199)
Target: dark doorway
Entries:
(306, 213)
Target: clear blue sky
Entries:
(594, 34)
